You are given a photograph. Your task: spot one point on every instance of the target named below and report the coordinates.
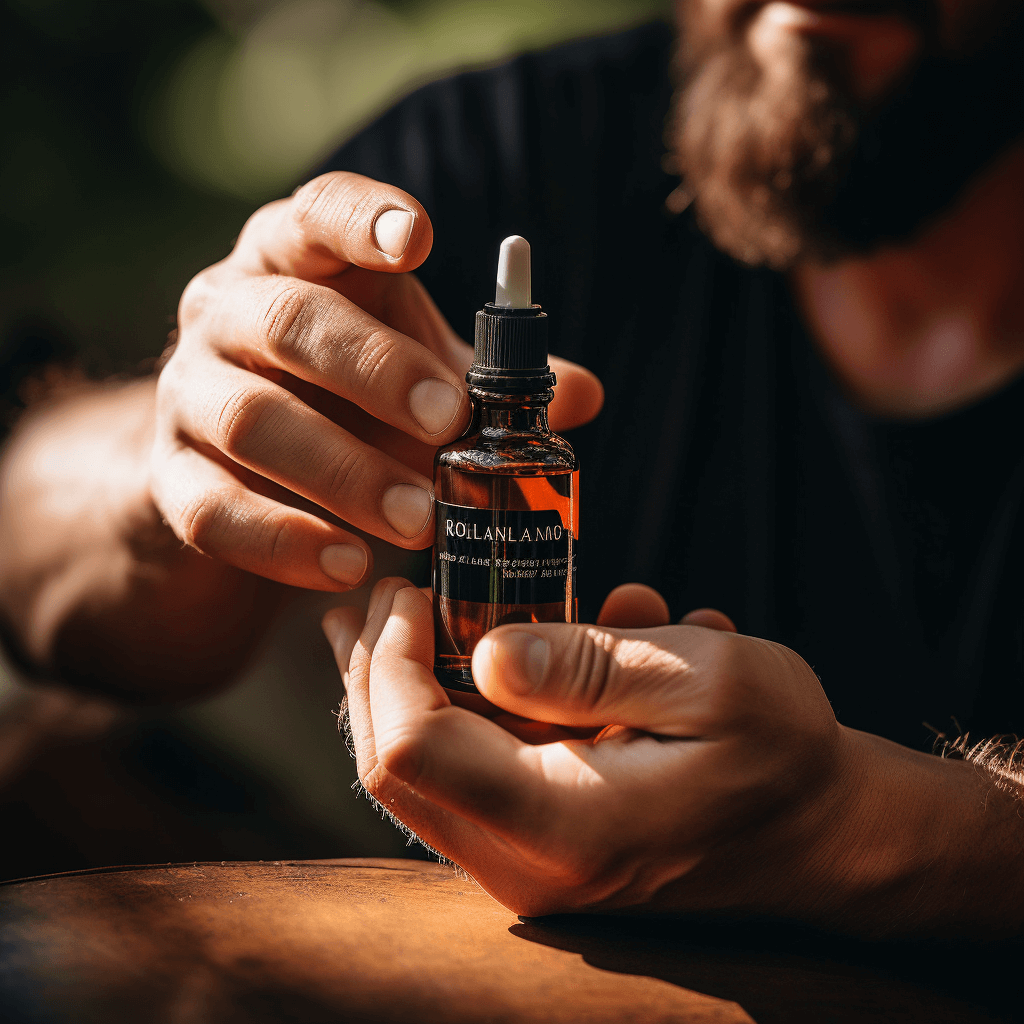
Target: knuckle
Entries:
(343, 201)
(280, 323)
(202, 521)
(213, 523)
(238, 419)
(374, 780)
(594, 666)
(312, 196)
(263, 223)
(268, 213)
(272, 537)
(194, 299)
(336, 200)
(790, 659)
(170, 387)
(345, 474)
(731, 662)
(730, 683)
(373, 358)
(382, 786)
(401, 753)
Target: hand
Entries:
(719, 780)
(312, 381)
(713, 781)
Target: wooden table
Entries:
(406, 941)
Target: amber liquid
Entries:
(459, 625)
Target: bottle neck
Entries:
(517, 414)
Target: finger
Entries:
(709, 618)
(325, 338)
(522, 728)
(401, 302)
(456, 839)
(209, 509)
(265, 428)
(342, 627)
(454, 758)
(579, 395)
(333, 221)
(675, 680)
(404, 304)
(634, 606)
(502, 809)
(358, 668)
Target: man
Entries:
(813, 453)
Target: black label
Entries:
(500, 556)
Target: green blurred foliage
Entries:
(138, 137)
(246, 112)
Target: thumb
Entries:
(660, 680)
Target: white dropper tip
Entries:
(513, 288)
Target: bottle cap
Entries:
(510, 353)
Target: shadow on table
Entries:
(781, 973)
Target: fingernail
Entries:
(527, 656)
(392, 231)
(407, 508)
(345, 563)
(434, 403)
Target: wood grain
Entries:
(396, 941)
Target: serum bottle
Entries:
(507, 492)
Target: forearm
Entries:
(94, 587)
(921, 846)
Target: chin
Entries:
(788, 161)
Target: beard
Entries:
(788, 167)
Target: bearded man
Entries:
(814, 424)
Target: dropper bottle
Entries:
(507, 492)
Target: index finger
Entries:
(335, 221)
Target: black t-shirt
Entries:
(726, 468)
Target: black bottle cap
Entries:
(510, 352)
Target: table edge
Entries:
(377, 863)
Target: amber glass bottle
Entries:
(507, 492)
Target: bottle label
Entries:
(502, 556)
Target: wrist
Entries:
(914, 845)
(93, 583)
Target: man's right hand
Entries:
(312, 365)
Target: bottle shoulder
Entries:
(493, 451)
